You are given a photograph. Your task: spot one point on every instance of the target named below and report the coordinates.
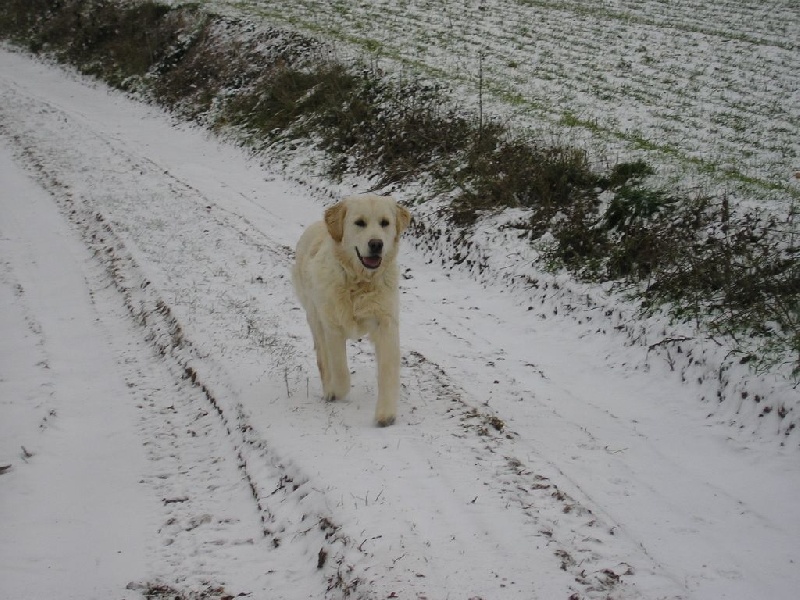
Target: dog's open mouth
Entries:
(369, 262)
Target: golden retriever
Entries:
(345, 275)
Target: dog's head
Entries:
(367, 229)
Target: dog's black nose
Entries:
(375, 246)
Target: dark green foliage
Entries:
(275, 104)
(629, 173)
(634, 220)
(632, 207)
(742, 274)
(97, 36)
(510, 173)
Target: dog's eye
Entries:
(361, 223)
(384, 222)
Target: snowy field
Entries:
(709, 91)
(160, 420)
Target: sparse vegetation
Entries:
(161, 591)
(735, 271)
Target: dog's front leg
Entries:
(387, 354)
(337, 385)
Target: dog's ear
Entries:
(403, 219)
(334, 220)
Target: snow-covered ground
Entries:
(161, 421)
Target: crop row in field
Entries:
(710, 91)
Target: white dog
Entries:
(345, 276)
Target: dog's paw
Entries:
(335, 395)
(336, 391)
(385, 421)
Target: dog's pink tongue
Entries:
(371, 262)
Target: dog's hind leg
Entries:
(323, 374)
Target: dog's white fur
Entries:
(348, 292)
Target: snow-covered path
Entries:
(53, 403)
(149, 327)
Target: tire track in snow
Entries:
(193, 432)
